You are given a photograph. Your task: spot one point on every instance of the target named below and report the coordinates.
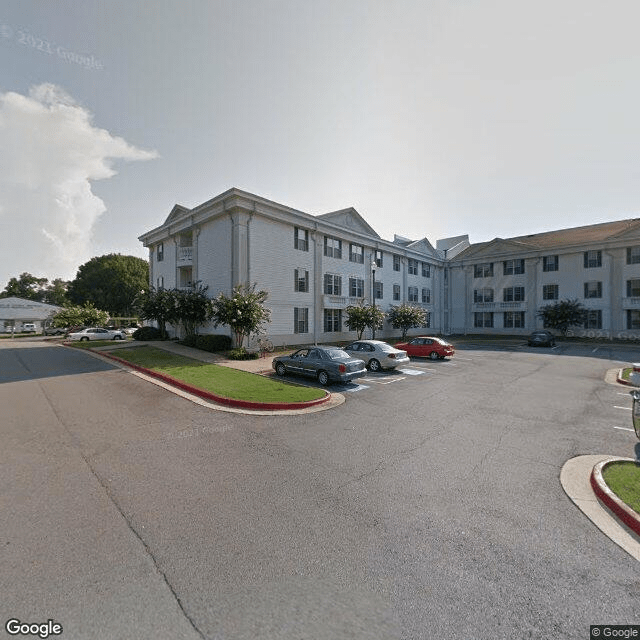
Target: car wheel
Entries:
(374, 365)
(280, 369)
(323, 378)
(84, 338)
(434, 355)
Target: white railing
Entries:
(185, 254)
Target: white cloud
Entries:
(50, 152)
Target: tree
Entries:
(56, 293)
(158, 305)
(405, 317)
(77, 316)
(110, 282)
(362, 316)
(192, 308)
(25, 286)
(563, 314)
(244, 312)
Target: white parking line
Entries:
(623, 408)
(384, 380)
(624, 429)
(358, 387)
(411, 372)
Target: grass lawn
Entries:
(623, 478)
(90, 344)
(223, 381)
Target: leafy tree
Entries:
(25, 286)
(361, 317)
(563, 314)
(158, 305)
(76, 316)
(192, 308)
(56, 293)
(405, 317)
(244, 312)
(110, 282)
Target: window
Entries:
(426, 270)
(396, 263)
(513, 267)
(160, 282)
(550, 263)
(633, 288)
(483, 319)
(300, 280)
(513, 320)
(301, 239)
(483, 270)
(550, 291)
(378, 259)
(483, 295)
(396, 292)
(412, 294)
(513, 294)
(427, 320)
(332, 284)
(300, 320)
(426, 296)
(592, 259)
(593, 319)
(332, 320)
(356, 253)
(160, 252)
(412, 267)
(593, 289)
(633, 319)
(356, 288)
(332, 247)
(378, 293)
(633, 255)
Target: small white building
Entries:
(16, 312)
(314, 266)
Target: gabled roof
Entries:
(350, 219)
(549, 240)
(177, 211)
(424, 246)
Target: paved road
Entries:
(425, 507)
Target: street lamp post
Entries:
(373, 298)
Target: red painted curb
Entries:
(605, 495)
(230, 402)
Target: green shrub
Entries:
(147, 333)
(213, 342)
(242, 354)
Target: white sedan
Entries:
(96, 333)
(377, 354)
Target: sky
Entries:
(436, 118)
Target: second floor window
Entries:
(412, 267)
(356, 253)
(301, 280)
(593, 289)
(483, 295)
(378, 259)
(426, 270)
(550, 263)
(160, 252)
(301, 239)
(396, 263)
(332, 284)
(633, 255)
(633, 288)
(513, 294)
(356, 288)
(550, 292)
(592, 259)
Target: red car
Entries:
(427, 347)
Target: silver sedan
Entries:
(96, 333)
(377, 354)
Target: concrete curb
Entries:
(628, 383)
(626, 514)
(229, 402)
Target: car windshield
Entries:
(338, 354)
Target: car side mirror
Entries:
(635, 413)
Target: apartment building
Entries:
(314, 266)
(499, 286)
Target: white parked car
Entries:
(377, 354)
(96, 333)
(29, 327)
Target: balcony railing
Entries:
(185, 255)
